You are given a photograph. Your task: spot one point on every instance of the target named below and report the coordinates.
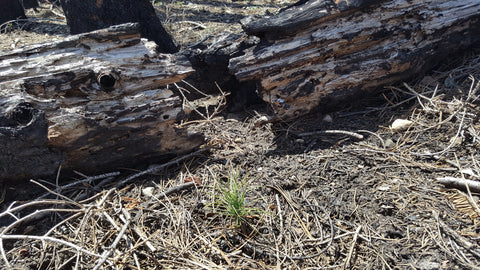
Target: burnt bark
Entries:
(11, 10)
(30, 4)
(324, 51)
(88, 15)
(211, 68)
(94, 100)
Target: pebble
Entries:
(427, 265)
(327, 118)
(148, 191)
(389, 143)
(400, 124)
(300, 141)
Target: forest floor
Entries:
(367, 195)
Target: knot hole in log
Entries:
(22, 113)
(106, 81)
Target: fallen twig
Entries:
(460, 183)
(194, 23)
(49, 239)
(175, 189)
(86, 180)
(156, 168)
(113, 246)
(350, 252)
(10, 210)
(342, 132)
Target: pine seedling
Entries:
(229, 198)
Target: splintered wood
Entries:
(321, 53)
(94, 100)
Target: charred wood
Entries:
(322, 52)
(89, 15)
(94, 100)
(11, 10)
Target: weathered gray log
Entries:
(323, 52)
(91, 101)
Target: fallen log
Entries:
(324, 51)
(94, 100)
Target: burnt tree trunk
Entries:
(30, 4)
(327, 51)
(88, 15)
(11, 10)
(94, 100)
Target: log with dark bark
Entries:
(88, 15)
(11, 10)
(30, 4)
(328, 51)
(94, 100)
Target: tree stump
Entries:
(88, 15)
(11, 10)
(329, 51)
(94, 100)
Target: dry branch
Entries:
(460, 183)
(347, 264)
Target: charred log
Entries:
(324, 52)
(94, 100)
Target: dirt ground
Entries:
(337, 190)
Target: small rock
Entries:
(148, 191)
(456, 141)
(261, 120)
(413, 218)
(300, 141)
(384, 187)
(238, 140)
(428, 265)
(389, 144)
(327, 118)
(400, 124)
